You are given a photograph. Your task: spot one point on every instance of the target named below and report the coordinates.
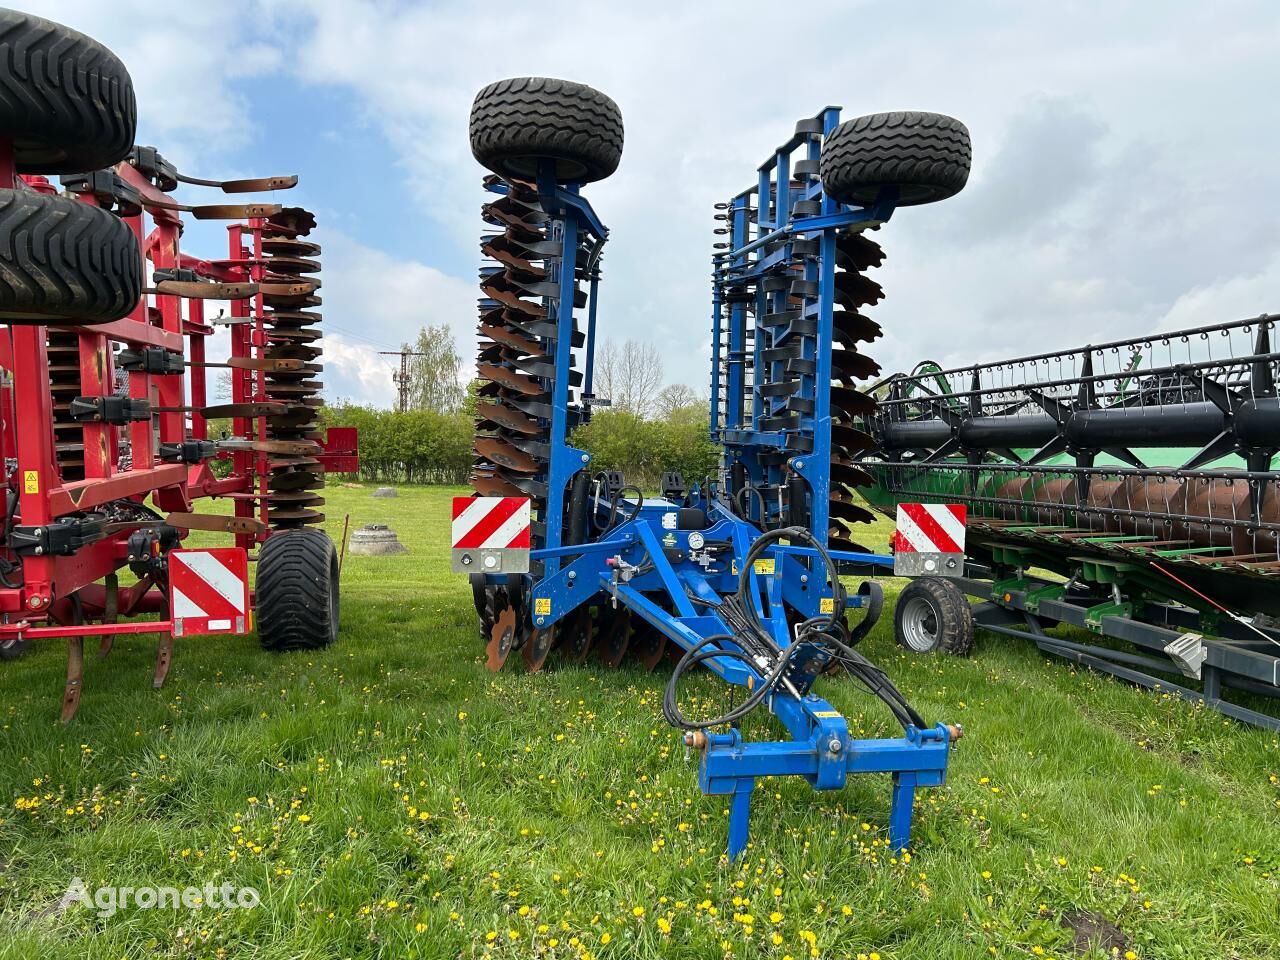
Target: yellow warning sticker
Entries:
(764, 567)
(31, 481)
(733, 567)
(826, 714)
(542, 606)
(827, 605)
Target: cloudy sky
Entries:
(1125, 172)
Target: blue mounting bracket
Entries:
(730, 766)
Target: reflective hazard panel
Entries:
(209, 591)
(929, 540)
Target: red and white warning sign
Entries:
(209, 591)
(929, 540)
(491, 534)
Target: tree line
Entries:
(421, 446)
(647, 429)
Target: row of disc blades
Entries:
(607, 634)
(787, 332)
(518, 337)
(855, 254)
(290, 320)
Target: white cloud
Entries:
(1119, 159)
(182, 61)
(375, 301)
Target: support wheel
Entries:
(925, 155)
(63, 260)
(66, 101)
(515, 123)
(297, 591)
(933, 614)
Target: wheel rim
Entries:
(919, 625)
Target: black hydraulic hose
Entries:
(824, 630)
(742, 507)
(616, 502)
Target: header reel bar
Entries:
(787, 294)
(690, 572)
(1141, 471)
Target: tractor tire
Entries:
(931, 615)
(66, 101)
(925, 155)
(516, 123)
(63, 261)
(297, 591)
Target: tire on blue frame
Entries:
(925, 156)
(517, 123)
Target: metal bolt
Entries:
(804, 578)
(466, 560)
(835, 746)
(35, 602)
(586, 458)
(541, 621)
(573, 575)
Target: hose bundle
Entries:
(756, 647)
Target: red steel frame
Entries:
(26, 433)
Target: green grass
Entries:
(389, 797)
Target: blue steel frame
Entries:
(739, 431)
(644, 563)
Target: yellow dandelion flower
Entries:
(637, 911)
(664, 925)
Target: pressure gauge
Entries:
(696, 541)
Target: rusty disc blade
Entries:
(289, 247)
(537, 647)
(491, 485)
(294, 516)
(850, 512)
(612, 643)
(511, 379)
(502, 453)
(295, 480)
(649, 644)
(848, 365)
(501, 637)
(509, 338)
(856, 251)
(837, 539)
(577, 635)
(508, 418)
(292, 265)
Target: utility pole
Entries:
(401, 379)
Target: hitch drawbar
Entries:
(729, 766)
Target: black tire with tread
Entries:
(517, 122)
(65, 261)
(950, 609)
(925, 155)
(297, 591)
(66, 101)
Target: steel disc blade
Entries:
(578, 634)
(502, 453)
(501, 638)
(537, 647)
(611, 644)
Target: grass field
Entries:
(388, 797)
